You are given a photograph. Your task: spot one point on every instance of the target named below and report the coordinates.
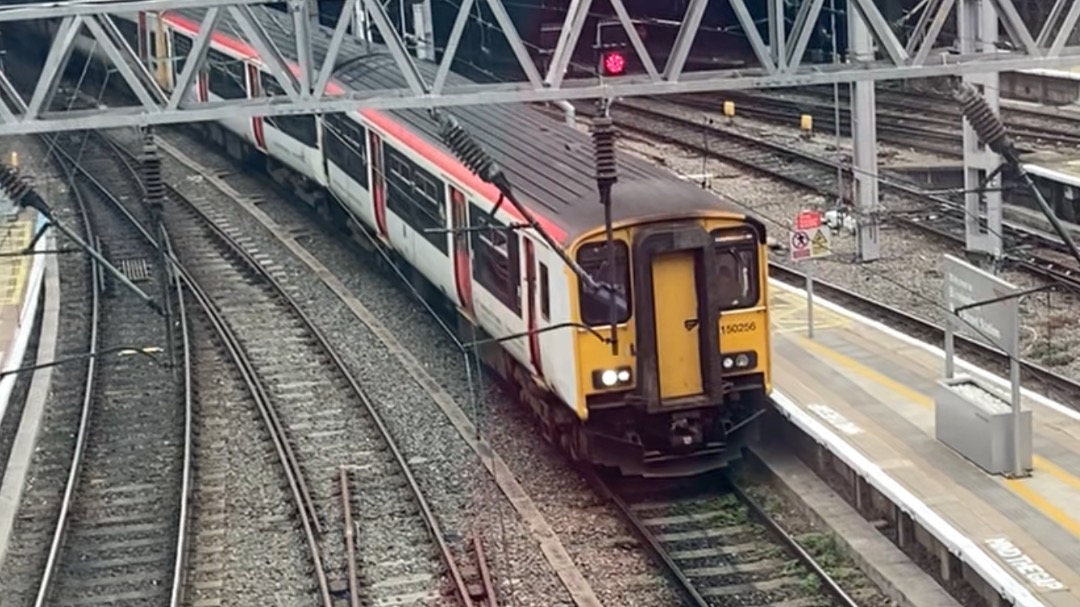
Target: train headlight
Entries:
(604, 379)
(739, 361)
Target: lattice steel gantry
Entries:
(780, 55)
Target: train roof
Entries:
(550, 164)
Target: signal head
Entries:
(613, 63)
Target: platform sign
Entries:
(810, 238)
(996, 324)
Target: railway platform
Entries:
(22, 280)
(864, 394)
(20, 283)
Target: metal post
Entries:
(422, 30)
(978, 32)
(810, 300)
(864, 140)
(950, 344)
(1014, 378)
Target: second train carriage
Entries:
(693, 367)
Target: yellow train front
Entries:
(691, 372)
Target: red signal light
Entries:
(614, 63)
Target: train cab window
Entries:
(736, 256)
(300, 127)
(496, 265)
(344, 140)
(614, 283)
(545, 293)
(226, 75)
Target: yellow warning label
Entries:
(819, 243)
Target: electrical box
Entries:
(977, 422)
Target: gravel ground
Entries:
(28, 547)
(909, 274)
(447, 469)
(238, 510)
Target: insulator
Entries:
(468, 150)
(984, 121)
(153, 183)
(603, 136)
(13, 184)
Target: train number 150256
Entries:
(738, 327)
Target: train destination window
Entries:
(736, 256)
(615, 282)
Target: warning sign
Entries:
(809, 242)
(819, 243)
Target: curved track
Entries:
(719, 546)
(120, 530)
(318, 416)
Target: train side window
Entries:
(226, 76)
(181, 48)
(496, 265)
(344, 141)
(614, 281)
(545, 293)
(736, 256)
(300, 128)
(418, 197)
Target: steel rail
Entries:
(676, 573)
(52, 561)
(655, 547)
(833, 588)
(236, 352)
(428, 516)
(72, 169)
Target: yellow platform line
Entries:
(1017, 486)
(14, 239)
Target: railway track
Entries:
(935, 128)
(319, 419)
(1032, 250)
(120, 529)
(719, 546)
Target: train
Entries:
(686, 295)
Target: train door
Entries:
(462, 259)
(258, 135)
(677, 313)
(676, 339)
(531, 292)
(378, 184)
